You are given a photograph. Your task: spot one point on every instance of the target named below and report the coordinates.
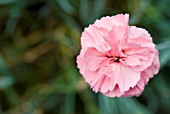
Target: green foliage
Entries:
(39, 42)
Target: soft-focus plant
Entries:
(39, 42)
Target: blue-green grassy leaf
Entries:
(107, 105)
(163, 45)
(6, 82)
(164, 56)
(84, 11)
(5, 2)
(69, 104)
(136, 15)
(66, 6)
(88, 99)
(14, 15)
(132, 106)
(98, 9)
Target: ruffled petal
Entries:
(80, 64)
(136, 91)
(107, 85)
(132, 61)
(93, 37)
(121, 20)
(115, 93)
(145, 75)
(92, 77)
(105, 22)
(93, 59)
(136, 33)
(108, 22)
(125, 77)
(139, 58)
(115, 35)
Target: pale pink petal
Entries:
(135, 49)
(156, 65)
(105, 22)
(126, 77)
(93, 59)
(121, 20)
(80, 63)
(136, 91)
(107, 85)
(144, 63)
(132, 61)
(92, 77)
(93, 37)
(108, 22)
(112, 37)
(136, 33)
(115, 93)
(107, 70)
(142, 42)
(141, 57)
(96, 87)
(145, 75)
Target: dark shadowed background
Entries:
(39, 42)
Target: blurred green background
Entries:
(39, 42)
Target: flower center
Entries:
(117, 59)
(114, 59)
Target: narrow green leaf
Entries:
(66, 6)
(69, 104)
(84, 11)
(164, 57)
(6, 82)
(163, 45)
(107, 105)
(5, 2)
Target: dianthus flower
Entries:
(117, 59)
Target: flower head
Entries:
(117, 59)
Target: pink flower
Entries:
(117, 59)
